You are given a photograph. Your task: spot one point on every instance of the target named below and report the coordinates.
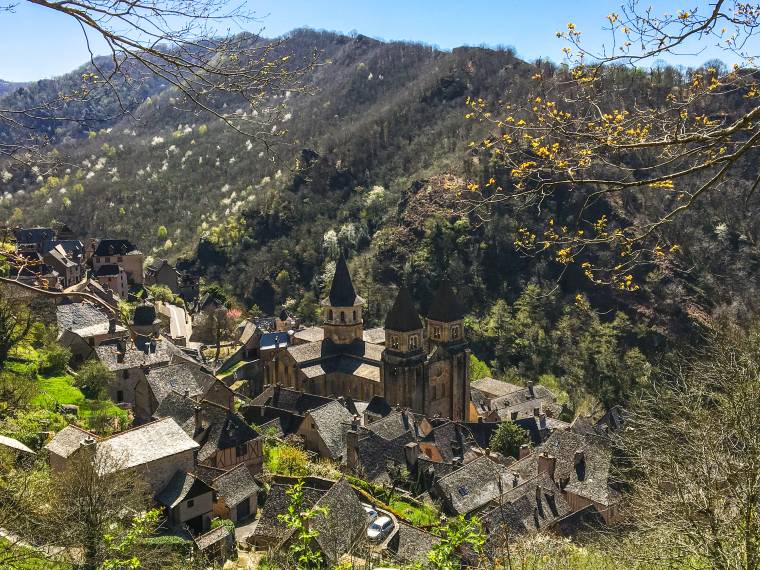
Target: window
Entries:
(190, 503)
(343, 316)
(120, 396)
(354, 316)
(108, 260)
(331, 315)
(413, 342)
(240, 450)
(394, 342)
(455, 332)
(436, 332)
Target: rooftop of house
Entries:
(72, 247)
(378, 406)
(225, 430)
(156, 265)
(98, 329)
(180, 408)
(212, 537)
(494, 388)
(342, 292)
(474, 485)
(75, 316)
(67, 440)
(310, 334)
(164, 353)
(376, 454)
(145, 444)
(274, 340)
(33, 235)
(332, 421)
(108, 247)
(445, 306)
(374, 336)
(411, 545)
(451, 441)
(235, 485)
(270, 526)
(59, 256)
(403, 315)
(394, 425)
(183, 378)
(289, 399)
(246, 331)
(108, 270)
(345, 364)
(182, 487)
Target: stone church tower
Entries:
(428, 375)
(342, 310)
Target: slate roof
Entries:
(378, 406)
(342, 292)
(289, 399)
(474, 485)
(95, 330)
(393, 425)
(345, 521)
(226, 430)
(273, 340)
(33, 235)
(181, 378)
(108, 270)
(592, 480)
(270, 527)
(235, 485)
(375, 335)
(108, 247)
(182, 486)
(344, 364)
(373, 454)
(72, 247)
(411, 545)
(403, 316)
(73, 316)
(310, 334)
(332, 421)
(156, 265)
(494, 388)
(68, 440)
(145, 444)
(444, 436)
(134, 358)
(248, 330)
(445, 306)
(212, 537)
(533, 505)
(14, 444)
(179, 408)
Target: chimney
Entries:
(546, 464)
(515, 479)
(121, 349)
(352, 442)
(531, 391)
(524, 451)
(87, 446)
(411, 453)
(537, 411)
(112, 325)
(579, 458)
(198, 418)
(542, 420)
(456, 448)
(513, 415)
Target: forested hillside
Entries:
(374, 159)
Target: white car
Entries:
(379, 529)
(371, 512)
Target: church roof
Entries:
(403, 316)
(445, 306)
(342, 292)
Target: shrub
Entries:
(55, 358)
(92, 379)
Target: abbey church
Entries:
(422, 367)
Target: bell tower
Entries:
(402, 368)
(449, 357)
(342, 309)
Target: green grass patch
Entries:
(21, 558)
(60, 390)
(424, 515)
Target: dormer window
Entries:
(413, 342)
(455, 331)
(436, 332)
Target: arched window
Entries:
(455, 332)
(394, 342)
(343, 316)
(413, 342)
(331, 315)
(354, 316)
(436, 332)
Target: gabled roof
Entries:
(107, 247)
(34, 235)
(494, 388)
(270, 527)
(403, 316)
(145, 444)
(332, 421)
(108, 270)
(68, 440)
(235, 485)
(374, 453)
(212, 537)
(344, 522)
(445, 306)
(182, 487)
(474, 485)
(342, 292)
(165, 352)
(378, 406)
(393, 425)
(181, 378)
(310, 334)
(289, 399)
(410, 544)
(74, 316)
(226, 430)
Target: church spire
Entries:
(445, 307)
(343, 322)
(342, 292)
(403, 316)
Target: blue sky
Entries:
(38, 43)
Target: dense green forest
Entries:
(375, 161)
